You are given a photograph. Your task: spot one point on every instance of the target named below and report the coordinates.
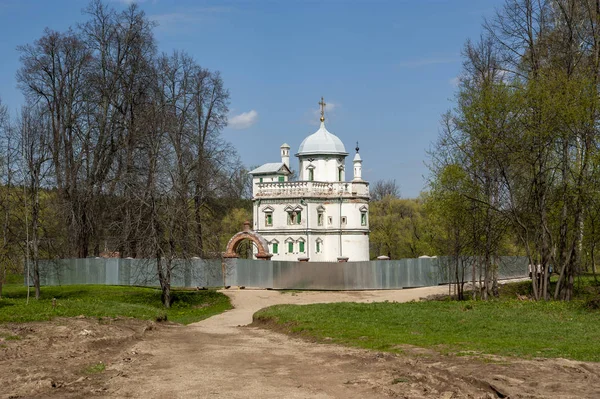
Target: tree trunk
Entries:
(35, 241)
(164, 277)
(5, 227)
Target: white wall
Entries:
(355, 239)
(325, 168)
(265, 179)
(354, 246)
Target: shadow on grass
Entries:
(47, 293)
(131, 295)
(585, 287)
(99, 300)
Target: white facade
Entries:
(321, 216)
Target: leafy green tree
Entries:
(524, 131)
(398, 228)
(451, 213)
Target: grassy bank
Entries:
(109, 301)
(508, 328)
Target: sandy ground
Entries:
(223, 357)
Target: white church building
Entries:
(319, 217)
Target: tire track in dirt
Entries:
(221, 357)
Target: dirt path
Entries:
(217, 358)
(220, 357)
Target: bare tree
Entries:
(210, 115)
(6, 159)
(383, 188)
(136, 154)
(52, 74)
(34, 136)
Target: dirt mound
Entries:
(425, 373)
(223, 357)
(64, 357)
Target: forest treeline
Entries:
(118, 147)
(518, 157)
(516, 167)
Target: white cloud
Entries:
(330, 108)
(243, 120)
(128, 2)
(174, 18)
(187, 17)
(420, 62)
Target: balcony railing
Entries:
(311, 188)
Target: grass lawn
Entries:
(109, 301)
(503, 327)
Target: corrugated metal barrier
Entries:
(142, 272)
(368, 275)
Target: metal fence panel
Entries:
(308, 275)
(206, 273)
(379, 274)
(506, 267)
(392, 274)
(253, 273)
(513, 267)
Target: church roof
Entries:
(322, 143)
(271, 168)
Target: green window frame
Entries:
(320, 219)
(311, 175)
(318, 250)
(290, 247)
(301, 245)
(275, 248)
(340, 174)
(294, 217)
(363, 219)
(281, 178)
(260, 179)
(269, 219)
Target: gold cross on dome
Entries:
(322, 104)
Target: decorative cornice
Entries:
(279, 232)
(311, 199)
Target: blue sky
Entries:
(387, 68)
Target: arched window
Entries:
(301, 246)
(290, 245)
(294, 214)
(268, 216)
(319, 246)
(311, 171)
(320, 215)
(274, 247)
(363, 215)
